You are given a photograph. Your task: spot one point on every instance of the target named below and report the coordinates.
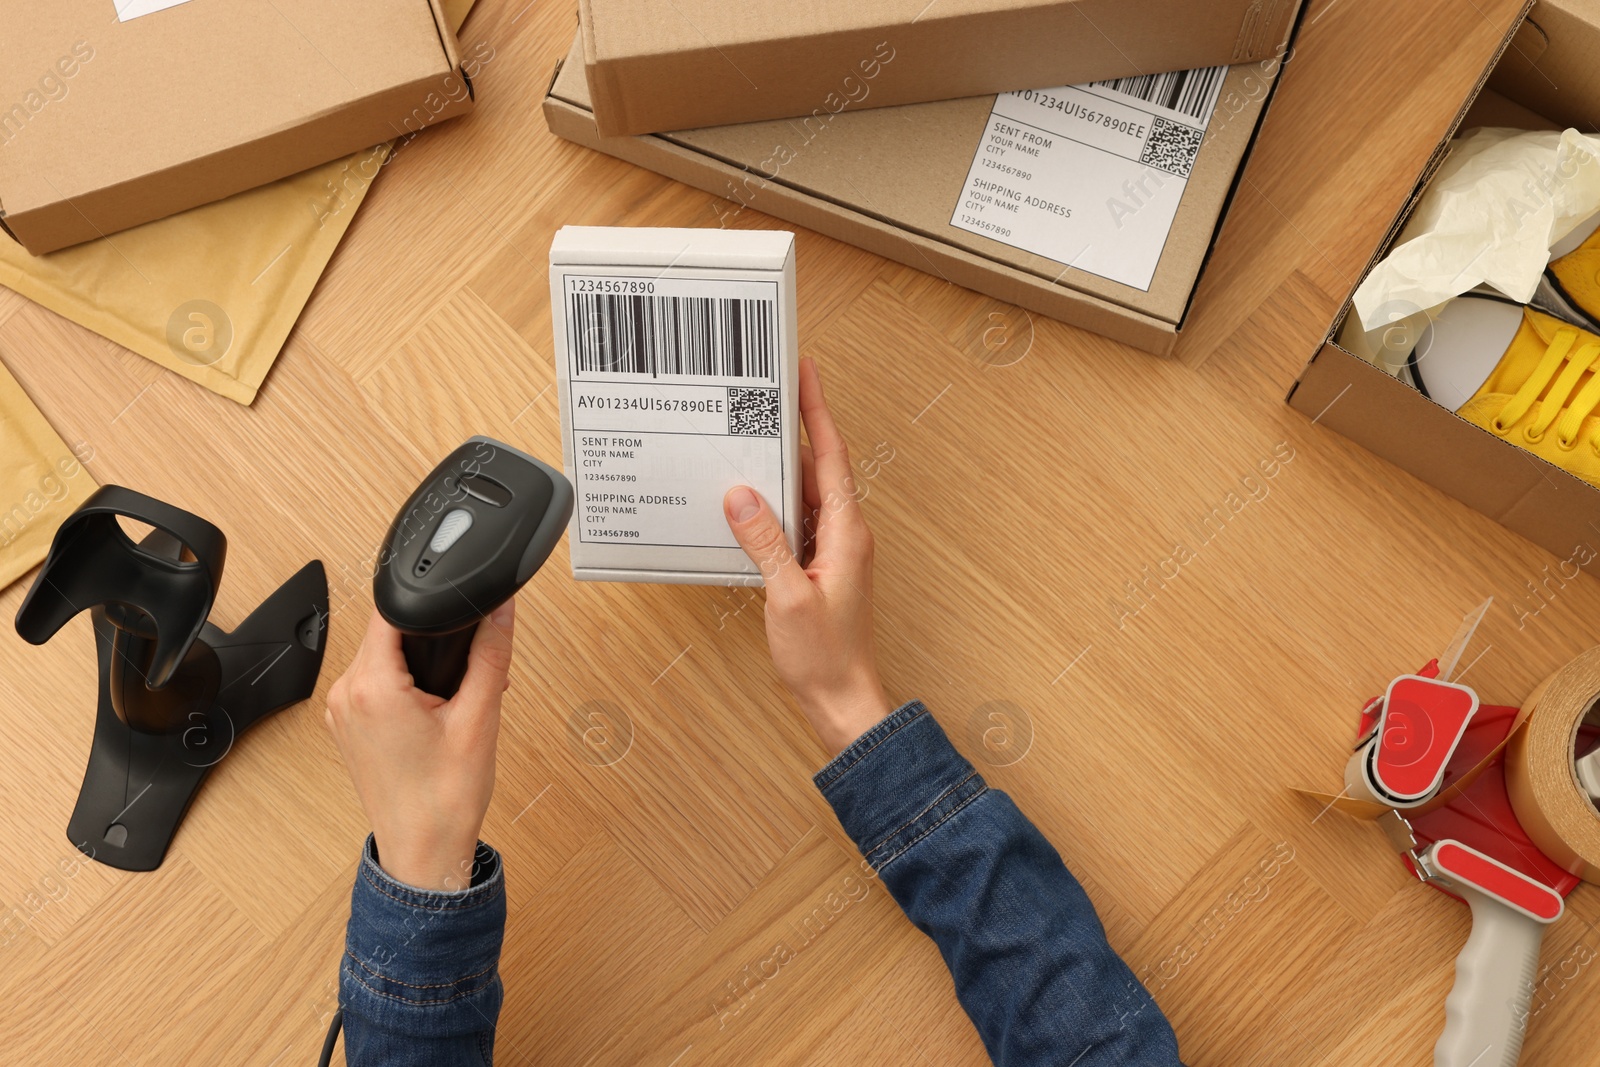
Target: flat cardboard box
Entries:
(1543, 77)
(109, 122)
(890, 179)
(655, 66)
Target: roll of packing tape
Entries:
(1540, 777)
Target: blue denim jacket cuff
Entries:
(420, 961)
(897, 783)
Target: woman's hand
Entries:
(423, 766)
(819, 617)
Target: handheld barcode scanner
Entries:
(1426, 750)
(471, 535)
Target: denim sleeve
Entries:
(1029, 957)
(420, 979)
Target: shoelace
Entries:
(1555, 403)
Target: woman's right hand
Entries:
(819, 617)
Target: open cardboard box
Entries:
(891, 180)
(1545, 76)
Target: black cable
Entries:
(1416, 374)
(1490, 294)
(332, 1039)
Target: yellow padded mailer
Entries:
(42, 481)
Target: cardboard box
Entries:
(1543, 77)
(654, 66)
(678, 371)
(896, 181)
(117, 112)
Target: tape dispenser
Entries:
(1432, 755)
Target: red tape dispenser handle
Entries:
(1486, 1013)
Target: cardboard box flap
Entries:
(1435, 160)
(1477, 87)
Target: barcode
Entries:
(673, 335)
(1190, 92)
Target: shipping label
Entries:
(132, 9)
(674, 398)
(1090, 175)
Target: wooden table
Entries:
(1153, 726)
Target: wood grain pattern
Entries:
(1028, 483)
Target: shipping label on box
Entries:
(1090, 175)
(675, 356)
(132, 9)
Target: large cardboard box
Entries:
(1543, 77)
(117, 112)
(1092, 205)
(655, 66)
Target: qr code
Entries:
(1172, 146)
(753, 412)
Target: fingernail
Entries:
(743, 504)
(501, 616)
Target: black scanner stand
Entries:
(175, 691)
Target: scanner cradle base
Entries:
(137, 785)
(175, 691)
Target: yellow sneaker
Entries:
(1520, 374)
(1570, 288)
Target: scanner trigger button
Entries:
(451, 527)
(455, 523)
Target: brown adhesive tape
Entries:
(1366, 809)
(1540, 778)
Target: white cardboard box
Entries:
(677, 363)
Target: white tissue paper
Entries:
(1501, 200)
